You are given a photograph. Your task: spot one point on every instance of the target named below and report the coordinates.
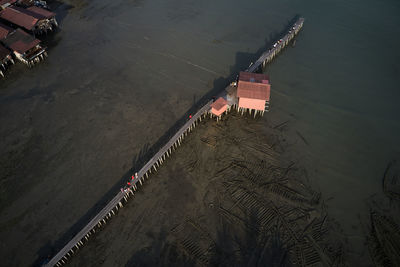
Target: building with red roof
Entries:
(5, 54)
(42, 12)
(6, 3)
(25, 47)
(253, 91)
(34, 19)
(5, 31)
(253, 77)
(219, 106)
(18, 18)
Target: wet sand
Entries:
(228, 196)
(75, 125)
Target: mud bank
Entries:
(229, 196)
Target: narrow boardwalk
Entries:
(122, 197)
(266, 57)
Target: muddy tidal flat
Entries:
(227, 197)
(315, 180)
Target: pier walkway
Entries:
(122, 197)
(266, 57)
(117, 202)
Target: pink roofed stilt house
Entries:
(253, 91)
(219, 107)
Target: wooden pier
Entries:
(266, 57)
(154, 163)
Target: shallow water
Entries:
(122, 73)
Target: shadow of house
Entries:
(147, 152)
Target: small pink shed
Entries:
(219, 106)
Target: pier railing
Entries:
(267, 56)
(122, 197)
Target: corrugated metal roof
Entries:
(4, 52)
(2, 2)
(20, 41)
(4, 30)
(42, 12)
(219, 103)
(19, 17)
(248, 76)
(254, 90)
(29, 13)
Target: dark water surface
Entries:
(120, 73)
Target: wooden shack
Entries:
(25, 47)
(253, 91)
(6, 3)
(219, 107)
(34, 19)
(48, 15)
(5, 54)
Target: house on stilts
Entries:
(25, 47)
(253, 92)
(5, 54)
(5, 59)
(218, 107)
(33, 19)
(6, 3)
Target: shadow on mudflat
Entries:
(242, 62)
